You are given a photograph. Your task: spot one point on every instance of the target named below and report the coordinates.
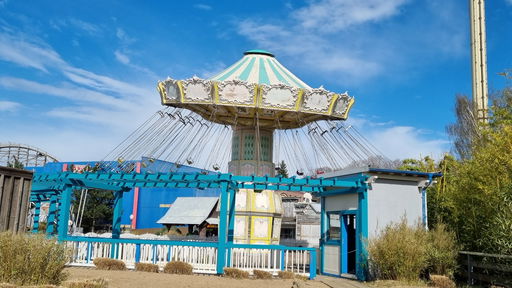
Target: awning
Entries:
(189, 210)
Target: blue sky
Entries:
(77, 76)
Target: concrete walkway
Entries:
(334, 282)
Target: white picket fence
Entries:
(203, 259)
(271, 260)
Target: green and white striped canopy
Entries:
(256, 90)
(260, 67)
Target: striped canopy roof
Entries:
(260, 67)
(255, 91)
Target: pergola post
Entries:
(223, 218)
(116, 222)
(118, 212)
(231, 223)
(323, 231)
(37, 212)
(50, 225)
(362, 233)
(65, 201)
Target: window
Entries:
(334, 226)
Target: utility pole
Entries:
(479, 59)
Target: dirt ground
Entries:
(133, 279)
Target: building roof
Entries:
(371, 170)
(189, 210)
(260, 67)
(316, 207)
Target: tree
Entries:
(465, 129)
(477, 199)
(16, 164)
(474, 196)
(98, 209)
(427, 164)
(282, 170)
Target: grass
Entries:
(397, 283)
(27, 259)
(87, 283)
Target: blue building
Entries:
(142, 207)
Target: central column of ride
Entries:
(258, 212)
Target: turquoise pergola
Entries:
(58, 187)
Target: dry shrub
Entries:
(109, 264)
(442, 251)
(399, 252)
(260, 274)
(88, 283)
(178, 267)
(7, 285)
(27, 259)
(441, 281)
(146, 267)
(285, 275)
(235, 273)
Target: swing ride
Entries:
(244, 120)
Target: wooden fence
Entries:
(15, 186)
(482, 268)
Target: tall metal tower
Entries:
(479, 58)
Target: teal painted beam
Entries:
(339, 191)
(323, 232)
(50, 219)
(312, 264)
(194, 177)
(116, 222)
(118, 212)
(95, 184)
(37, 212)
(223, 217)
(362, 236)
(65, 202)
(231, 222)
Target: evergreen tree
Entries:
(16, 164)
(98, 211)
(282, 170)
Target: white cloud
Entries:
(397, 141)
(67, 90)
(123, 58)
(335, 15)
(354, 41)
(83, 25)
(26, 52)
(9, 106)
(98, 111)
(203, 7)
(89, 28)
(123, 37)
